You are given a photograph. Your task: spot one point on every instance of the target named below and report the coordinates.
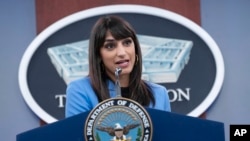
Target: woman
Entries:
(113, 44)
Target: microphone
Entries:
(117, 82)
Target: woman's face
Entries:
(118, 53)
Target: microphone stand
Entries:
(117, 82)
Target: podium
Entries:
(166, 127)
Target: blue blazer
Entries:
(80, 96)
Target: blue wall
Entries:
(227, 21)
(17, 30)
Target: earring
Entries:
(137, 59)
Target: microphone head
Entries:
(118, 71)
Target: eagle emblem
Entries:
(118, 132)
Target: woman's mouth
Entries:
(122, 63)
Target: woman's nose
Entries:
(120, 50)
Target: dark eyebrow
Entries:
(109, 40)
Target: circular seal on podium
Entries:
(118, 119)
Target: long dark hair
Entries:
(120, 29)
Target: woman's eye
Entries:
(127, 42)
(109, 46)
